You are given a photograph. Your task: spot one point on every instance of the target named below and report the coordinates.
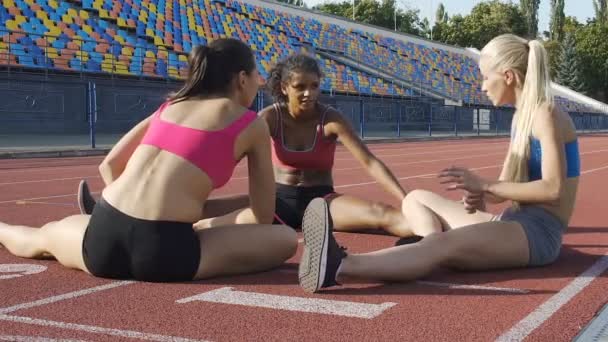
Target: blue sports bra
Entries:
(573, 160)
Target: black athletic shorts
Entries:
(291, 201)
(119, 246)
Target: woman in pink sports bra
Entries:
(303, 141)
(158, 179)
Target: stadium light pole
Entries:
(395, 11)
(430, 19)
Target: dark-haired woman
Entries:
(303, 140)
(159, 176)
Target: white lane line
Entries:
(48, 180)
(15, 338)
(95, 329)
(392, 165)
(429, 175)
(472, 287)
(527, 325)
(227, 295)
(426, 175)
(64, 296)
(19, 270)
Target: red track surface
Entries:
(33, 192)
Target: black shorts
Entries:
(291, 201)
(119, 246)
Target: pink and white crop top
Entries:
(210, 151)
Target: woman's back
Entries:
(189, 149)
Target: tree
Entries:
(529, 9)
(557, 20)
(601, 11)
(592, 47)
(486, 21)
(441, 16)
(335, 8)
(372, 12)
(569, 73)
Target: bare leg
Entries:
(428, 213)
(60, 239)
(351, 214)
(240, 249)
(484, 246)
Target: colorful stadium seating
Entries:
(152, 38)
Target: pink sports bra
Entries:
(319, 157)
(210, 151)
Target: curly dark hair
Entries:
(282, 71)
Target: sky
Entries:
(581, 9)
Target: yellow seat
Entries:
(83, 55)
(53, 4)
(84, 14)
(51, 52)
(19, 19)
(103, 13)
(8, 3)
(42, 16)
(12, 25)
(54, 31)
(106, 66)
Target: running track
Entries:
(41, 299)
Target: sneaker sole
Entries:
(81, 206)
(313, 265)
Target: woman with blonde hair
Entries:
(539, 175)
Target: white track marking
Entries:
(542, 313)
(34, 339)
(19, 270)
(472, 287)
(94, 329)
(64, 296)
(48, 180)
(427, 175)
(227, 295)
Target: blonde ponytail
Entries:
(528, 61)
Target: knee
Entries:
(412, 199)
(286, 241)
(381, 211)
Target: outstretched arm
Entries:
(338, 125)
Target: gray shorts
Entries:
(543, 230)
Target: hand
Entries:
(463, 179)
(473, 202)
